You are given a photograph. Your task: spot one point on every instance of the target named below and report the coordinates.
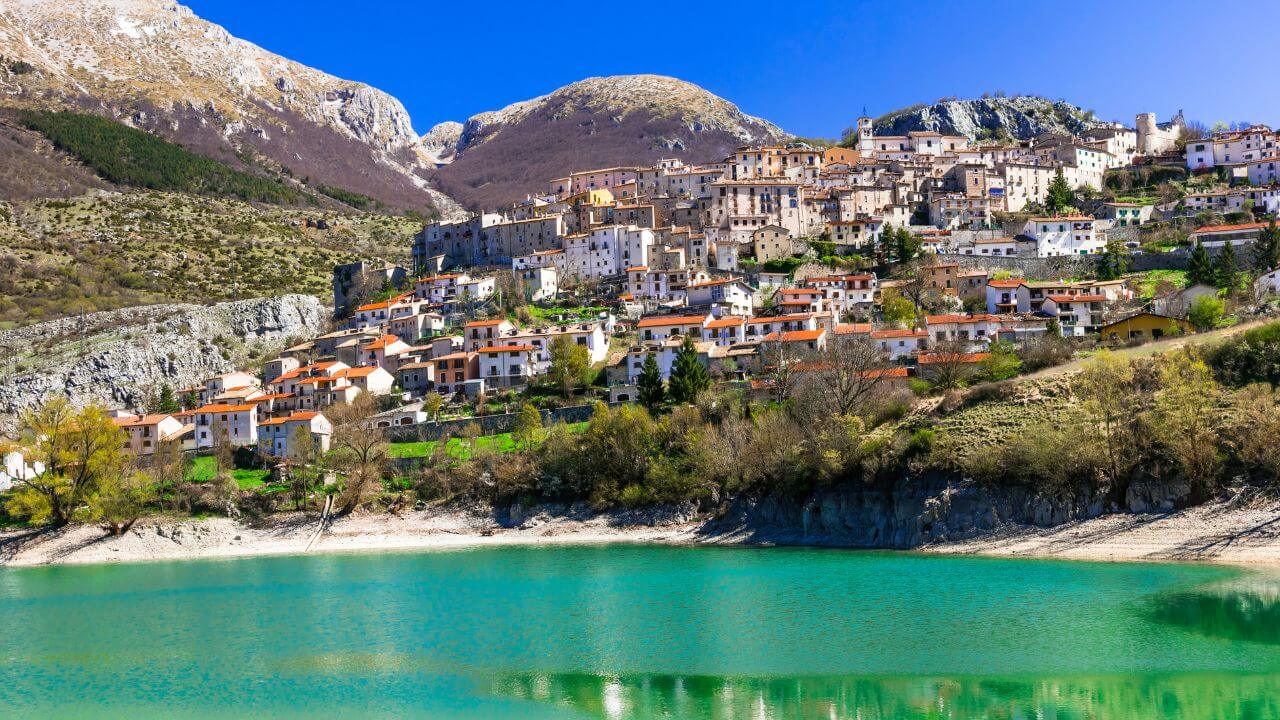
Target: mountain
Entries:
(155, 65)
(1021, 117)
(500, 156)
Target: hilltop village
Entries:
(922, 263)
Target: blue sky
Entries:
(811, 67)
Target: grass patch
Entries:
(1149, 281)
(460, 449)
(205, 468)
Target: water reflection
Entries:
(1187, 697)
(1244, 610)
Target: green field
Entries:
(205, 468)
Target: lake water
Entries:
(643, 632)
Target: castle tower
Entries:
(1147, 133)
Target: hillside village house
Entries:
(900, 343)
(455, 370)
(661, 328)
(277, 437)
(1077, 315)
(1066, 235)
(479, 333)
(145, 433)
(1216, 236)
(236, 424)
(732, 294)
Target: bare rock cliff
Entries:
(120, 358)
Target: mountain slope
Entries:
(1020, 117)
(155, 65)
(499, 156)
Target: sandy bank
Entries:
(1212, 533)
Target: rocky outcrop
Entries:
(154, 64)
(1021, 117)
(499, 156)
(924, 511)
(119, 358)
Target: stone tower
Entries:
(1148, 130)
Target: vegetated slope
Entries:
(1021, 117)
(157, 66)
(127, 156)
(111, 250)
(498, 157)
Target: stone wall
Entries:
(1028, 267)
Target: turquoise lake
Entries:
(639, 632)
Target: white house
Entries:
(276, 435)
(1066, 235)
(1077, 315)
(900, 343)
(733, 294)
(238, 424)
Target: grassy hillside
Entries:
(112, 250)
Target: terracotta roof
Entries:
(362, 371)
(897, 333)
(853, 328)
(1008, 284)
(944, 319)
(664, 320)
(224, 408)
(796, 335)
(486, 323)
(1230, 228)
(383, 342)
(793, 317)
(135, 421)
(724, 322)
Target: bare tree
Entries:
(360, 451)
(949, 364)
(840, 377)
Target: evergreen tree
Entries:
(1113, 262)
(1200, 267)
(689, 378)
(1225, 268)
(649, 385)
(1060, 195)
(1266, 251)
(167, 403)
(907, 245)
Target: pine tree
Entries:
(907, 245)
(1200, 267)
(167, 403)
(1225, 268)
(1060, 195)
(1266, 250)
(689, 378)
(649, 385)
